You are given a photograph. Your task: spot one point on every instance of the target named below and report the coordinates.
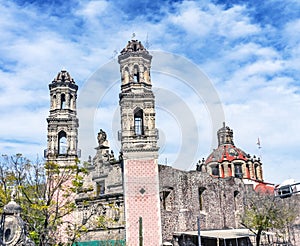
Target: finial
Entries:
(133, 36)
(115, 53)
(147, 44)
(224, 124)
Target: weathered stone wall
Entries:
(180, 201)
(102, 217)
(100, 201)
(222, 205)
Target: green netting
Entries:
(101, 243)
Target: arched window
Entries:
(235, 194)
(200, 196)
(138, 122)
(215, 170)
(62, 101)
(71, 102)
(136, 74)
(126, 75)
(62, 143)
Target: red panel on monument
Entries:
(142, 200)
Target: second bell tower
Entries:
(139, 147)
(62, 121)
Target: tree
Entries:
(46, 194)
(265, 212)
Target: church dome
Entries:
(227, 152)
(230, 161)
(226, 149)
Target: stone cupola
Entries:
(225, 135)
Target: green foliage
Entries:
(265, 212)
(101, 222)
(45, 193)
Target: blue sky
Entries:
(249, 52)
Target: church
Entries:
(140, 201)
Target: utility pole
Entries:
(140, 231)
(199, 236)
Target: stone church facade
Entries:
(130, 197)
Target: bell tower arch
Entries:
(62, 121)
(139, 146)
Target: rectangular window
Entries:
(238, 173)
(100, 188)
(166, 200)
(138, 127)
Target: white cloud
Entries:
(262, 67)
(93, 9)
(245, 52)
(192, 19)
(214, 20)
(254, 68)
(234, 23)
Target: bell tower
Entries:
(139, 147)
(62, 121)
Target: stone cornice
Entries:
(63, 84)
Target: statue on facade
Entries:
(101, 137)
(102, 140)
